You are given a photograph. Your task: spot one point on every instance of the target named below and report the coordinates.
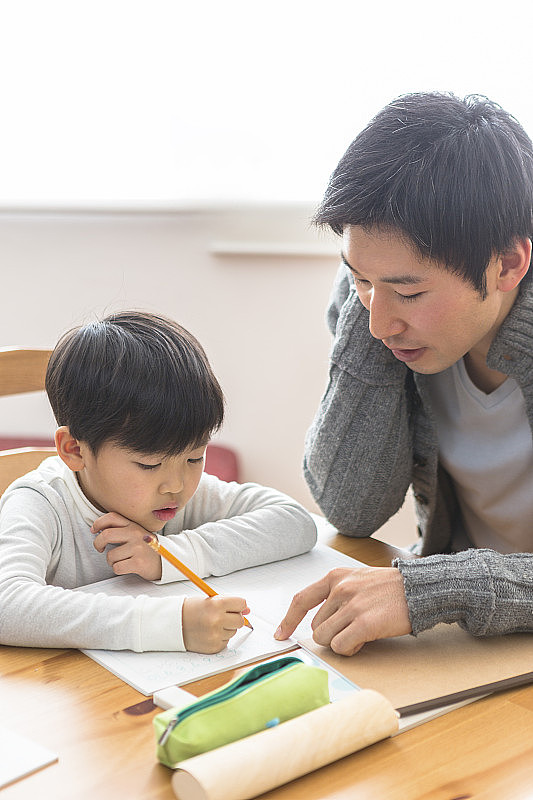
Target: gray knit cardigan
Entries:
(374, 435)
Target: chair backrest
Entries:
(22, 369)
(15, 463)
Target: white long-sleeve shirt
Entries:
(47, 552)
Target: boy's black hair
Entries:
(454, 177)
(135, 379)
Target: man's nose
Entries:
(384, 322)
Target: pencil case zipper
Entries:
(231, 689)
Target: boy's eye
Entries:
(147, 466)
(195, 460)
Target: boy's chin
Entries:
(156, 527)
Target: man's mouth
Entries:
(409, 354)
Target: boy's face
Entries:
(427, 316)
(148, 490)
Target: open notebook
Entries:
(268, 590)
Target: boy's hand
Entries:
(131, 553)
(358, 605)
(209, 623)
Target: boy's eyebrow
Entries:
(407, 278)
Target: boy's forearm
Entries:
(246, 540)
(33, 615)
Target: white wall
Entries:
(251, 283)
(260, 317)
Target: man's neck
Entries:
(486, 379)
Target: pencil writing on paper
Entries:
(201, 584)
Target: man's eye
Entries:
(408, 297)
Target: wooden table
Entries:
(101, 729)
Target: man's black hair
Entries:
(453, 177)
(137, 380)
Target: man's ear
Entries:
(69, 449)
(514, 264)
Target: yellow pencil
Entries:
(201, 584)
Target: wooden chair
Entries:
(14, 463)
(22, 369)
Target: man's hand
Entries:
(359, 605)
(209, 623)
(131, 553)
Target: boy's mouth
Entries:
(165, 514)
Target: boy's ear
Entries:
(514, 264)
(69, 449)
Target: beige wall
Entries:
(251, 283)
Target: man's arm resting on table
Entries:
(486, 592)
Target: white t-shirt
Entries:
(46, 552)
(486, 446)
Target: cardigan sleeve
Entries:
(486, 592)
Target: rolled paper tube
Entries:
(247, 768)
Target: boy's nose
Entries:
(173, 484)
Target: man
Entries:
(431, 375)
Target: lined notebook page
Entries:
(268, 590)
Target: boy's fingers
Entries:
(108, 536)
(232, 622)
(231, 605)
(109, 520)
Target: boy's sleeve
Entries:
(37, 614)
(231, 526)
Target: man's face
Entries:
(428, 317)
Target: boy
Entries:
(430, 382)
(136, 403)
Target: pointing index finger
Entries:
(302, 602)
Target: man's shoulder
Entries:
(511, 350)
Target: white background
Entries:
(136, 138)
(166, 100)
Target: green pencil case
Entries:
(261, 697)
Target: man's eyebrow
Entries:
(407, 278)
